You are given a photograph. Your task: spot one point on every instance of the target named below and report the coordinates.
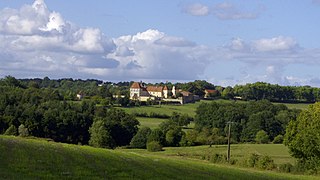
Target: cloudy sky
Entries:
(224, 42)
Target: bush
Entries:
(11, 131)
(287, 168)
(23, 131)
(258, 161)
(218, 158)
(154, 146)
(140, 114)
(266, 163)
(252, 160)
(158, 115)
(278, 139)
(310, 166)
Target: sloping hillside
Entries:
(34, 158)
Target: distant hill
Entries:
(33, 159)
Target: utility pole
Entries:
(229, 137)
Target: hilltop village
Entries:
(140, 92)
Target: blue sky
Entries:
(223, 42)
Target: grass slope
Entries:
(40, 159)
(150, 122)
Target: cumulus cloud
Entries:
(37, 42)
(156, 55)
(35, 39)
(275, 44)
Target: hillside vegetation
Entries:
(34, 158)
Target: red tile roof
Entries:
(154, 88)
(136, 85)
(211, 91)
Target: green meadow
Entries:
(150, 122)
(23, 158)
(189, 109)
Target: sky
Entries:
(223, 42)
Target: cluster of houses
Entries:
(143, 93)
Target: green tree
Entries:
(117, 128)
(262, 137)
(157, 135)
(141, 138)
(100, 136)
(278, 139)
(173, 137)
(303, 137)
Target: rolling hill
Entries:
(43, 159)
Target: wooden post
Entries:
(229, 134)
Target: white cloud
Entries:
(156, 55)
(36, 42)
(279, 43)
(196, 9)
(56, 22)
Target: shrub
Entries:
(252, 160)
(11, 131)
(158, 115)
(278, 139)
(265, 162)
(23, 131)
(140, 114)
(287, 168)
(154, 146)
(218, 158)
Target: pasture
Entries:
(43, 159)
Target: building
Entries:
(80, 95)
(144, 93)
(210, 93)
(140, 92)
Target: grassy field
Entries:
(190, 109)
(183, 109)
(150, 122)
(39, 159)
(278, 152)
(296, 105)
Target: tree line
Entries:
(111, 91)
(45, 113)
